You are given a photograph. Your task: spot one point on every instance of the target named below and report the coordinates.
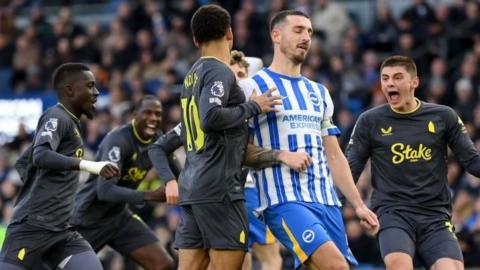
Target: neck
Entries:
(69, 107)
(410, 106)
(138, 135)
(283, 65)
(218, 49)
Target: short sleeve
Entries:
(328, 127)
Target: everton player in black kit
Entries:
(213, 224)
(407, 141)
(101, 213)
(39, 231)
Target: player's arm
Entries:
(45, 155)
(258, 158)
(358, 148)
(214, 113)
(160, 153)
(116, 150)
(461, 144)
(342, 177)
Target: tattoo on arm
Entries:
(258, 157)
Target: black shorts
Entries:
(125, 234)
(220, 225)
(28, 246)
(432, 237)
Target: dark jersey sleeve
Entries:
(50, 131)
(358, 149)
(461, 144)
(116, 150)
(44, 157)
(49, 135)
(214, 113)
(161, 149)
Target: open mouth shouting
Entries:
(393, 96)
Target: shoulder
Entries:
(118, 136)
(374, 113)
(438, 109)
(247, 85)
(55, 116)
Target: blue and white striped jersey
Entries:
(303, 119)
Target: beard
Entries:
(297, 59)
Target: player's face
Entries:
(148, 118)
(399, 86)
(240, 72)
(295, 38)
(85, 93)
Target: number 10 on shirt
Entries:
(191, 118)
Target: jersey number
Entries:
(195, 134)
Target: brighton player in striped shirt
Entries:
(261, 241)
(302, 209)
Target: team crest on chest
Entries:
(314, 98)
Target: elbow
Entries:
(38, 157)
(207, 127)
(103, 192)
(152, 151)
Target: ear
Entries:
(68, 90)
(275, 36)
(229, 34)
(197, 44)
(415, 82)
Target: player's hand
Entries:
(298, 161)
(158, 195)
(368, 219)
(109, 170)
(266, 101)
(171, 192)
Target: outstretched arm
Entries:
(342, 177)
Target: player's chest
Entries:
(414, 139)
(72, 144)
(136, 166)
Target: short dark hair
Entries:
(210, 22)
(403, 61)
(65, 71)
(238, 57)
(281, 16)
(144, 98)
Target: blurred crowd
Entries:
(146, 47)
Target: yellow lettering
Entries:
(397, 156)
(190, 80)
(135, 174)
(402, 153)
(191, 118)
